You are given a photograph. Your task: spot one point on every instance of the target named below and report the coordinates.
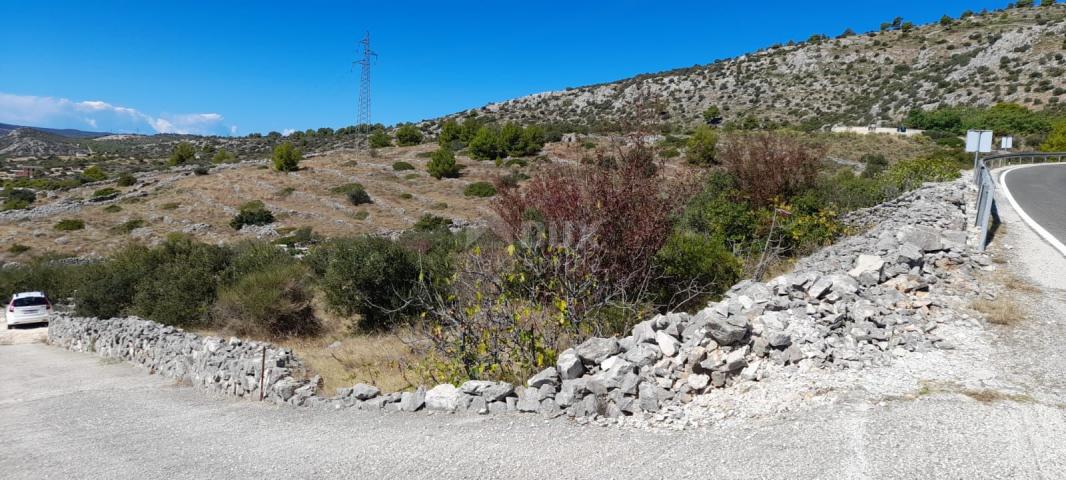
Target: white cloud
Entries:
(99, 115)
(288, 131)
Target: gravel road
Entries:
(65, 414)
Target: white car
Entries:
(28, 307)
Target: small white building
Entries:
(873, 129)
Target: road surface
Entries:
(1040, 191)
(73, 415)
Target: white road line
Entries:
(1047, 236)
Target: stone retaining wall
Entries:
(232, 367)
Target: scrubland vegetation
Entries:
(578, 249)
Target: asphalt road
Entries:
(1040, 190)
(72, 415)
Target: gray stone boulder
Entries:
(443, 397)
(595, 350)
(867, 264)
(667, 343)
(568, 365)
(362, 391)
(925, 238)
(548, 376)
(728, 330)
(413, 401)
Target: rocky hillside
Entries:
(1016, 55)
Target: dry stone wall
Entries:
(232, 367)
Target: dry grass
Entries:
(381, 360)
(342, 358)
(1016, 284)
(982, 395)
(172, 202)
(1001, 311)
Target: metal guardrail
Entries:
(986, 185)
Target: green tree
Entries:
(712, 114)
(1056, 140)
(510, 140)
(93, 173)
(442, 164)
(408, 135)
(532, 141)
(450, 134)
(946, 20)
(287, 157)
(701, 146)
(486, 144)
(470, 128)
(183, 153)
(380, 139)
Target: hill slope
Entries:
(1015, 55)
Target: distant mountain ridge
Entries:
(62, 132)
(1013, 55)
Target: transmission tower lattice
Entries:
(363, 115)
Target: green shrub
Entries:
(694, 268)
(287, 157)
(347, 187)
(401, 166)
(358, 197)
(173, 283)
(371, 277)
(429, 222)
(271, 303)
(201, 170)
(910, 174)
(93, 174)
(408, 135)
(181, 283)
(361, 215)
(105, 192)
(874, 164)
(442, 164)
(252, 213)
(182, 153)
(222, 156)
(479, 189)
(406, 196)
(112, 209)
(45, 273)
(170, 206)
(70, 224)
(486, 144)
(380, 139)
(18, 198)
(701, 146)
(1056, 140)
(128, 226)
(126, 180)
(17, 248)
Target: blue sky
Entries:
(240, 67)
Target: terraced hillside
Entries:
(1016, 55)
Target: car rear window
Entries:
(31, 302)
